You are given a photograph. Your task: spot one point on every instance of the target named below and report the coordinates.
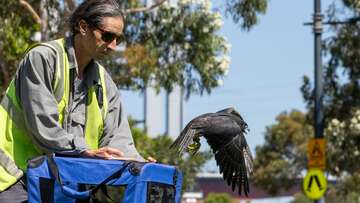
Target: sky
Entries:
(266, 69)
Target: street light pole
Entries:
(318, 113)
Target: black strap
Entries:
(46, 190)
(53, 168)
(117, 174)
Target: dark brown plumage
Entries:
(224, 131)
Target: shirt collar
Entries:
(91, 74)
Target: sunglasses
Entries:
(109, 37)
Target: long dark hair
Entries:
(93, 11)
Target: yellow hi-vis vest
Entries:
(16, 146)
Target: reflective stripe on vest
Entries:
(15, 144)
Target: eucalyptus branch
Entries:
(70, 4)
(32, 11)
(144, 9)
(44, 21)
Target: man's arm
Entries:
(117, 132)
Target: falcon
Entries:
(224, 131)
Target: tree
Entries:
(218, 198)
(282, 158)
(174, 45)
(178, 45)
(14, 34)
(246, 12)
(332, 196)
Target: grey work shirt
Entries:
(34, 81)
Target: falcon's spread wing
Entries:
(236, 163)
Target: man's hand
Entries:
(150, 159)
(109, 153)
(103, 153)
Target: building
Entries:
(163, 112)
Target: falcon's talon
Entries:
(194, 147)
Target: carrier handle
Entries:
(72, 193)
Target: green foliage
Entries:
(332, 196)
(343, 144)
(158, 148)
(246, 12)
(218, 198)
(282, 157)
(301, 198)
(352, 4)
(15, 33)
(347, 190)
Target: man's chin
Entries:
(101, 55)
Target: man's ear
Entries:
(83, 27)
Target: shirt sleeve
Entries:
(117, 131)
(34, 87)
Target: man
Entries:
(61, 100)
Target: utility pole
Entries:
(318, 74)
(318, 113)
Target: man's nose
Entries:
(112, 45)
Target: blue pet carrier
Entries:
(54, 179)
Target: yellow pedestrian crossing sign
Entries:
(314, 184)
